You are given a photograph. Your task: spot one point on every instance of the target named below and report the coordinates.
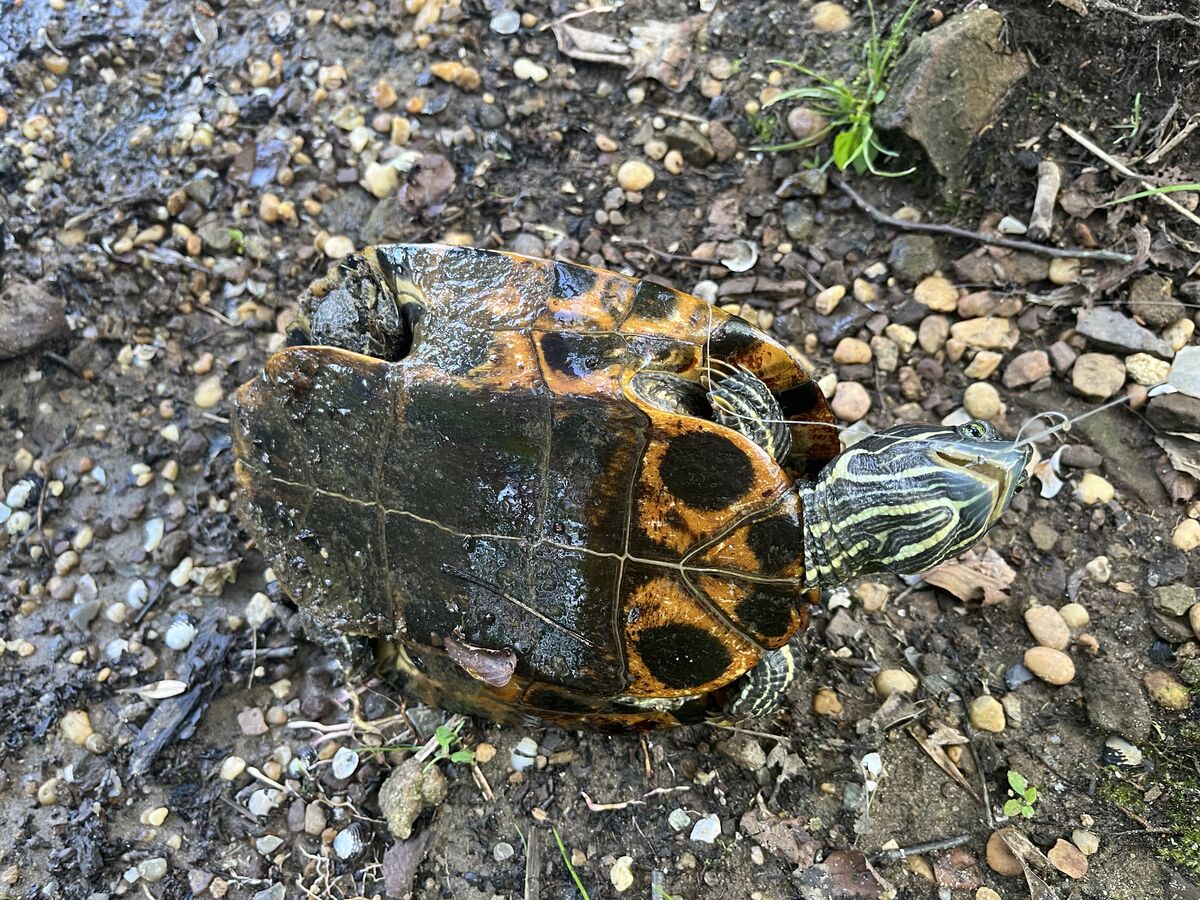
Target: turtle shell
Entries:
(509, 485)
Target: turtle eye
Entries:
(976, 430)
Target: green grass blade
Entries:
(570, 868)
(1154, 192)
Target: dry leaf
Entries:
(784, 838)
(971, 577)
(663, 51)
(591, 46)
(1068, 859)
(159, 690)
(938, 755)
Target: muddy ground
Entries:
(173, 174)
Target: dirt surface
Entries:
(173, 174)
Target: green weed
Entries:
(1026, 796)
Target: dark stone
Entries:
(799, 220)
(805, 183)
(1115, 702)
(1151, 301)
(687, 139)
(913, 256)
(1174, 412)
(1107, 328)
(1080, 456)
(29, 316)
(948, 85)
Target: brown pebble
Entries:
(1068, 859)
(1000, 859)
(826, 703)
(1050, 665)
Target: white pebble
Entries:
(707, 829)
(153, 529)
(345, 762)
(180, 633)
(679, 819)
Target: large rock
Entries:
(1115, 702)
(948, 86)
(1105, 326)
(29, 316)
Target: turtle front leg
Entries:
(763, 688)
(741, 401)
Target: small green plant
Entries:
(570, 868)
(765, 126)
(1026, 796)
(446, 739)
(239, 240)
(849, 106)
(1131, 125)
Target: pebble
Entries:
(1026, 368)
(621, 874)
(635, 176)
(1194, 620)
(527, 70)
(252, 722)
(1099, 569)
(986, 893)
(348, 843)
(1048, 627)
(1147, 370)
(1050, 665)
(208, 392)
(826, 703)
(826, 301)
(707, 829)
(345, 762)
(1064, 271)
(850, 401)
(1043, 536)
(1088, 842)
(982, 401)
(381, 179)
(743, 750)
(1178, 333)
(1109, 328)
(1068, 859)
(913, 256)
(1000, 859)
(1166, 691)
(987, 714)
(936, 293)
(1186, 535)
(805, 123)
(503, 851)
(679, 819)
(1151, 300)
(1075, 615)
(829, 18)
(1174, 599)
(76, 726)
(895, 681)
(180, 633)
(523, 755)
(983, 365)
(1092, 489)
(932, 333)
(852, 351)
(987, 333)
(315, 819)
(232, 767)
(338, 246)
(152, 869)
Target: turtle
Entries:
(537, 490)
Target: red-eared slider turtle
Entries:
(545, 490)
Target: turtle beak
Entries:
(999, 465)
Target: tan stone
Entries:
(1000, 859)
(1093, 490)
(982, 401)
(895, 681)
(852, 351)
(987, 714)
(1098, 375)
(635, 175)
(1186, 535)
(983, 365)
(987, 333)
(829, 18)
(937, 293)
(1050, 665)
(1048, 627)
(850, 401)
(1068, 859)
(826, 703)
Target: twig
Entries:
(781, 738)
(1144, 17)
(932, 228)
(662, 254)
(1127, 172)
(1049, 181)
(926, 847)
(533, 866)
(1156, 156)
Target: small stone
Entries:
(743, 750)
(932, 333)
(937, 293)
(1178, 333)
(1151, 300)
(987, 333)
(1064, 271)
(381, 179)
(232, 767)
(799, 221)
(315, 820)
(982, 401)
(269, 843)
(76, 726)
(1194, 619)
(621, 874)
(1050, 665)
(484, 752)
(829, 18)
(913, 256)
(338, 246)
(526, 69)
(1166, 691)
(873, 594)
(707, 829)
(1048, 627)
(1000, 859)
(383, 95)
(850, 401)
(1119, 752)
(1108, 328)
(1043, 536)
(635, 176)
(1026, 368)
(903, 336)
(852, 351)
(1011, 225)
(47, 792)
(895, 681)
(826, 301)
(805, 123)
(208, 392)
(1093, 490)
(156, 816)
(1075, 615)
(1099, 569)
(983, 365)
(987, 714)
(1147, 370)
(503, 851)
(986, 893)
(252, 722)
(679, 819)
(152, 869)
(1062, 356)
(1068, 859)
(1087, 841)
(826, 703)
(1186, 535)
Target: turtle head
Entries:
(908, 498)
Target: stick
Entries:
(1049, 181)
(927, 847)
(1143, 17)
(1127, 172)
(931, 228)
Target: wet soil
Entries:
(139, 142)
